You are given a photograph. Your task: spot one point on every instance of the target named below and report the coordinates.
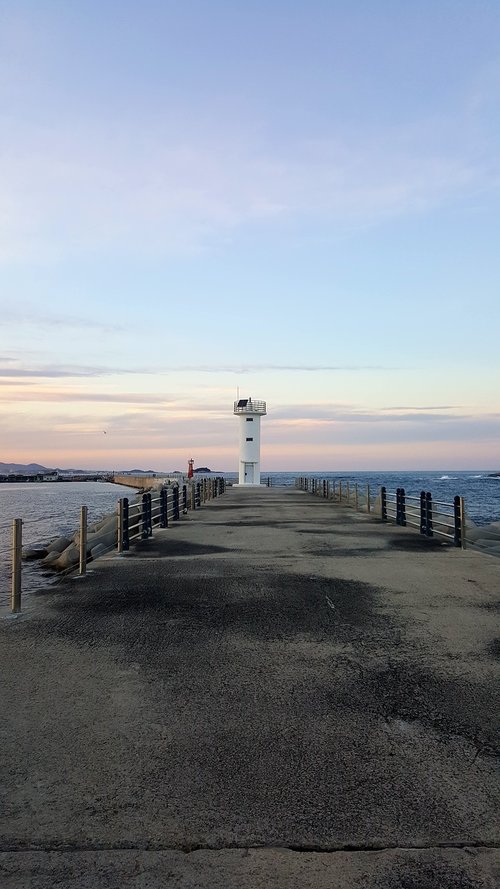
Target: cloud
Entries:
(98, 370)
(168, 187)
(260, 368)
(410, 407)
(28, 316)
(73, 397)
(315, 416)
(51, 371)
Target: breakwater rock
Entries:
(63, 552)
(484, 537)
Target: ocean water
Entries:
(50, 509)
(480, 490)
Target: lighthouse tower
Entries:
(249, 413)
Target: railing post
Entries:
(119, 527)
(83, 540)
(356, 501)
(184, 499)
(163, 508)
(462, 523)
(328, 490)
(125, 524)
(458, 511)
(368, 504)
(175, 492)
(144, 517)
(400, 507)
(428, 515)
(150, 516)
(192, 496)
(198, 494)
(423, 513)
(348, 493)
(383, 503)
(340, 492)
(17, 548)
(333, 490)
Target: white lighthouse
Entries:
(249, 413)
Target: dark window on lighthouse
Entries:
(249, 419)
(249, 439)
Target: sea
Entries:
(50, 509)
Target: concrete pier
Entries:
(276, 691)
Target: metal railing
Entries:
(134, 521)
(247, 406)
(339, 491)
(432, 518)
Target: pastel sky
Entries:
(299, 198)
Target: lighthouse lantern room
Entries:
(249, 413)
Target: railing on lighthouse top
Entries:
(247, 406)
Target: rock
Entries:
(483, 533)
(105, 538)
(58, 545)
(494, 526)
(69, 557)
(487, 547)
(31, 553)
(49, 559)
(97, 526)
(486, 543)
(98, 550)
(109, 523)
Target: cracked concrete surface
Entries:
(290, 692)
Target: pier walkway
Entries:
(274, 692)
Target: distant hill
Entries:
(27, 468)
(5, 468)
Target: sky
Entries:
(298, 200)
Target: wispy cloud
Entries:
(54, 371)
(158, 188)
(316, 415)
(261, 368)
(71, 397)
(412, 407)
(27, 315)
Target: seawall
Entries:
(145, 482)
